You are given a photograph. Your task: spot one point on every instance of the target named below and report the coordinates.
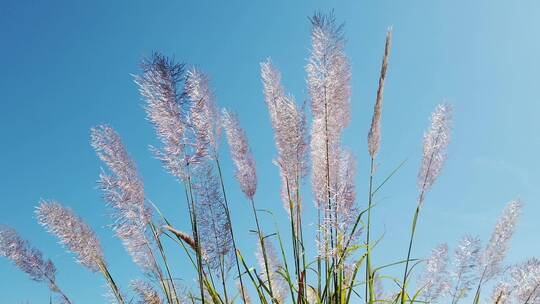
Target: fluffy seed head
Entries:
(434, 281)
(123, 190)
(164, 107)
(499, 243)
(436, 141)
(241, 154)
(146, 293)
(374, 135)
(27, 259)
(328, 84)
(74, 234)
(328, 74)
(466, 262)
(526, 279)
(290, 134)
(501, 293)
(214, 225)
(203, 117)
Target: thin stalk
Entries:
(227, 211)
(477, 294)
(164, 258)
(293, 231)
(369, 283)
(403, 300)
(319, 268)
(56, 289)
(263, 249)
(415, 219)
(196, 234)
(103, 269)
(300, 232)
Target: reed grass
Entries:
(181, 106)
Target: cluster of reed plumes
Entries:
(181, 106)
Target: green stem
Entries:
(369, 283)
(263, 249)
(103, 269)
(227, 211)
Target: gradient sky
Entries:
(66, 66)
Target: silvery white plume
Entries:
(73, 233)
(203, 117)
(26, 258)
(123, 190)
(328, 77)
(499, 243)
(466, 263)
(240, 154)
(436, 141)
(165, 108)
(434, 280)
(215, 233)
(526, 281)
(146, 293)
(290, 134)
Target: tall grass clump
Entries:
(340, 268)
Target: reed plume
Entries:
(216, 239)
(290, 135)
(434, 280)
(526, 281)
(123, 190)
(328, 76)
(501, 293)
(165, 108)
(203, 115)
(186, 238)
(499, 243)
(436, 141)
(374, 135)
(146, 293)
(29, 260)
(72, 232)
(240, 154)
(465, 264)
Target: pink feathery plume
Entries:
(165, 109)
(328, 84)
(146, 293)
(214, 226)
(290, 133)
(123, 190)
(501, 293)
(436, 141)
(279, 285)
(374, 135)
(203, 117)
(499, 243)
(27, 259)
(434, 281)
(466, 263)
(241, 154)
(73, 233)
(526, 281)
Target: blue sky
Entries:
(66, 66)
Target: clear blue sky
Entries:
(66, 66)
